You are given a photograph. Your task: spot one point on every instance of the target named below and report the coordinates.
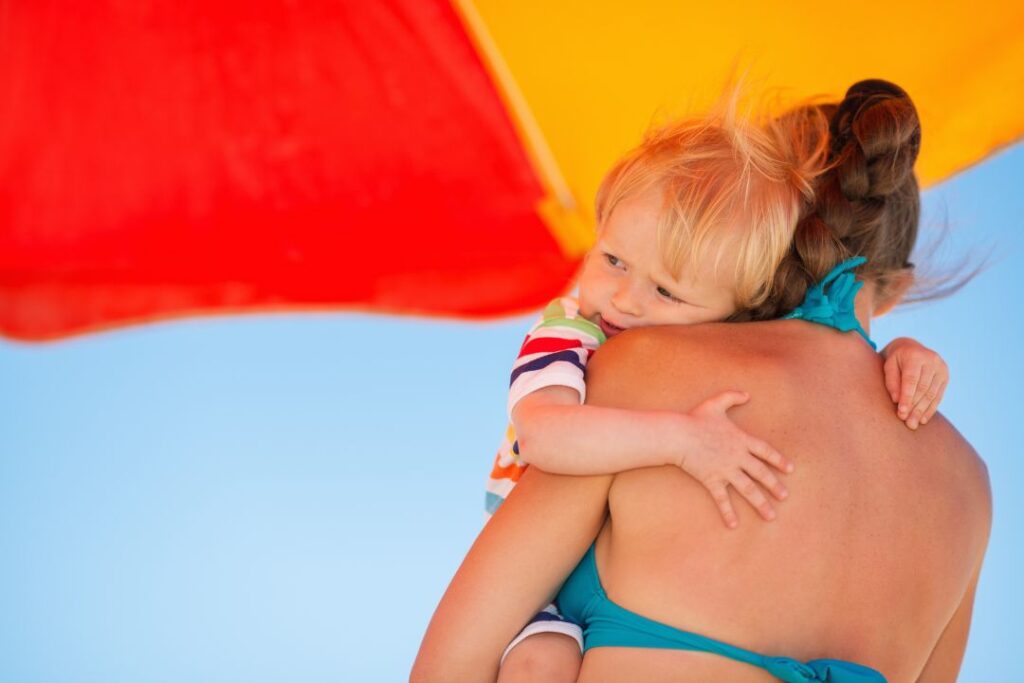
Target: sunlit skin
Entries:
(625, 284)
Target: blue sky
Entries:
(269, 498)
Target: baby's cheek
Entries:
(586, 308)
(724, 315)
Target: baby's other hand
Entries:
(719, 454)
(916, 378)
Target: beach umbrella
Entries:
(165, 158)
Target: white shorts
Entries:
(548, 620)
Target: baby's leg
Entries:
(542, 658)
(548, 650)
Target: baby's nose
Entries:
(626, 301)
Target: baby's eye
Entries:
(612, 260)
(668, 295)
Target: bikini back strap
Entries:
(831, 301)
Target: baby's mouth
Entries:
(609, 329)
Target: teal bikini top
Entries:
(830, 302)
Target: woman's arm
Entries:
(514, 568)
(943, 665)
(944, 662)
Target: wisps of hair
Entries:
(731, 177)
(867, 201)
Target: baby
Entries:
(691, 226)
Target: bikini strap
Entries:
(830, 302)
(826, 670)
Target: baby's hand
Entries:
(916, 378)
(726, 455)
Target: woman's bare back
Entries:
(870, 557)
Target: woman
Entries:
(873, 559)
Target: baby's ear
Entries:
(892, 290)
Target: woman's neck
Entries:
(864, 306)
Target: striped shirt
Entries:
(554, 353)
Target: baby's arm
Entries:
(916, 378)
(558, 435)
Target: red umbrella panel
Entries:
(175, 157)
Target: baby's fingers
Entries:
(771, 456)
(908, 387)
(933, 408)
(921, 399)
(891, 368)
(746, 487)
(720, 403)
(763, 474)
(721, 497)
(924, 384)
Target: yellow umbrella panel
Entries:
(596, 74)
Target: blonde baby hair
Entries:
(726, 177)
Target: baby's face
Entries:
(624, 283)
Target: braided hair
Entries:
(866, 200)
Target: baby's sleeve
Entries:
(555, 352)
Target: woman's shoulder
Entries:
(808, 370)
(673, 366)
(709, 349)
(815, 377)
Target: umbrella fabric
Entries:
(173, 157)
(162, 159)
